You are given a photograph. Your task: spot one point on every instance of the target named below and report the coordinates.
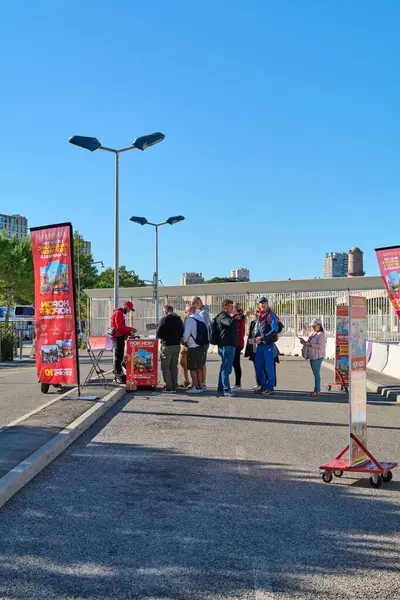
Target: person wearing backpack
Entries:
(265, 337)
(195, 336)
(170, 331)
(224, 334)
(204, 312)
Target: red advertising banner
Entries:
(389, 266)
(358, 377)
(57, 359)
(142, 362)
(342, 345)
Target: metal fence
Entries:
(15, 339)
(295, 309)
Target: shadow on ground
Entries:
(112, 520)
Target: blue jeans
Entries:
(264, 363)
(315, 364)
(227, 354)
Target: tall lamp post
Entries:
(169, 221)
(140, 143)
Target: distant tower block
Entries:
(356, 268)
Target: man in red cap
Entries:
(119, 332)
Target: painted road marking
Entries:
(262, 579)
(241, 458)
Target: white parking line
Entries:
(33, 412)
(241, 458)
(4, 372)
(262, 579)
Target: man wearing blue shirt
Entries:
(265, 338)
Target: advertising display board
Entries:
(358, 377)
(389, 266)
(57, 360)
(342, 345)
(141, 363)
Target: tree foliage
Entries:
(17, 281)
(126, 278)
(16, 272)
(222, 280)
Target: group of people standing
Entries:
(186, 342)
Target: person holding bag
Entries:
(314, 351)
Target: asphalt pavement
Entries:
(170, 497)
(20, 391)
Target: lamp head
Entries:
(89, 143)
(145, 141)
(177, 219)
(139, 220)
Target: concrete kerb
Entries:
(392, 393)
(20, 475)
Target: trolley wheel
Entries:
(327, 477)
(44, 387)
(377, 483)
(329, 387)
(338, 473)
(387, 476)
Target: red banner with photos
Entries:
(389, 266)
(342, 345)
(57, 359)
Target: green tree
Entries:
(86, 274)
(16, 272)
(221, 280)
(126, 278)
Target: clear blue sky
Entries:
(281, 121)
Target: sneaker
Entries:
(204, 387)
(268, 393)
(120, 379)
(166, 391)
(229, 395)
(220, 393)
(257, 389)
(236, 388)
(194, 390)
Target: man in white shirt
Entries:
(204, 313)
(195, 351)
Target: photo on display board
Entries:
(49, 355)
(65, 348)
(393, 281)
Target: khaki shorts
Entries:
(195, 358)
(183, 357)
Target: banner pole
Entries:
(78, 369)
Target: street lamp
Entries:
(92, 144)
(169, 221)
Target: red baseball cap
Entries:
(129, 305)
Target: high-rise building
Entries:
(241, 274)
(336, 264)
(14, 225)
(87, 248)
(192, 278)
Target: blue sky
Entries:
(281, 121)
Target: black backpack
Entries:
(214, 333)
(201, 338)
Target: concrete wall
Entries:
(385, 358)
(249, 287)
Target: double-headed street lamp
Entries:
(169, 221)
(140, 143)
